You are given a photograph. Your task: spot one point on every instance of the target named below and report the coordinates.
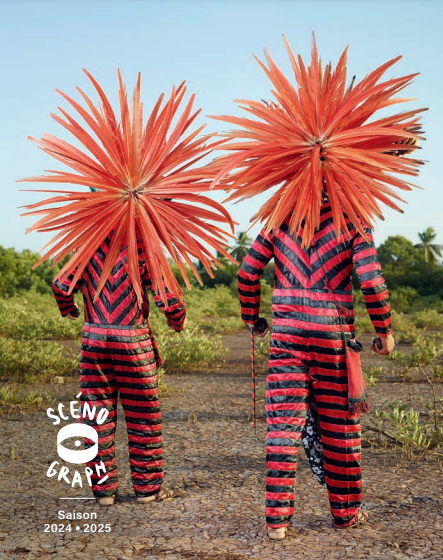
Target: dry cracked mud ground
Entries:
(217, 464)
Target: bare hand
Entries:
(388, 345)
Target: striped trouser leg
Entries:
(287, 401)
(341, 438)
(99, 389)
(135, 368)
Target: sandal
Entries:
(277, 534)
(106, 502)
(359, 519)
(162, 495)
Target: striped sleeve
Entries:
(250, 274)
(60, 288)
(175, 311)
(373, 286)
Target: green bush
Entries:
(17, 275)
(219, 303)
(190, 350)
(209, 302)
(266, 300)
(35, 316)
(408, 328)
(363, 323)
(31, 360)
(370, 375)
(427, 319)
(162, 387)
(222, 301)
(403, 298)
(404, 427)
(404, 329)
(433, 301)
(12, 400)
(262, 346)
(425, 357)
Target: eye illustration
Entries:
(71, 455)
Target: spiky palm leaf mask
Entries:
(318, 134)
(144, 184)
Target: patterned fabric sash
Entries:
(357, 396)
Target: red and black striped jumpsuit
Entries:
(307, 355)
(119, 355)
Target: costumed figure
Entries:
(331, 168)
(144, 203)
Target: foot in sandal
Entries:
(106, 502)
(359, 519)
(277, 534)
(162, 495)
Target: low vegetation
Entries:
(13, 400)
(37, 345)
(35, 360)
(415, 432)
(35, 316)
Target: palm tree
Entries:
(242, 246)
(432, 250)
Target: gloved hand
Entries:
(261, 327)
(75, 313)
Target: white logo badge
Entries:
(76, 429)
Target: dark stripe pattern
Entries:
(299, 278)
(119, 355)
(307, 358)
(117, 360)
(117, 302)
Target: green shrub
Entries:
(427, 319)
(17, 275)
(162, 387)
(17, 401)
(220, 303)
(433, 301)
(190, 350)
(404, 428)
(403, 298)
(36, 316)
(262, 346)
(408, 328)
(266, 300)
(209, 302)
(30, 360)
(404, 328)
(363, 323)
(425, 357)
(370, 375)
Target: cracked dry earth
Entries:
(215, 462)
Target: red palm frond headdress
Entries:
(146, 188)
(318, 136)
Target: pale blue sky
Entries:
(45, 45)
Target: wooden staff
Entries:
(260, 328)
(254, 421)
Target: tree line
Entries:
(413, 272)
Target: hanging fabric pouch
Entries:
(357, 398)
